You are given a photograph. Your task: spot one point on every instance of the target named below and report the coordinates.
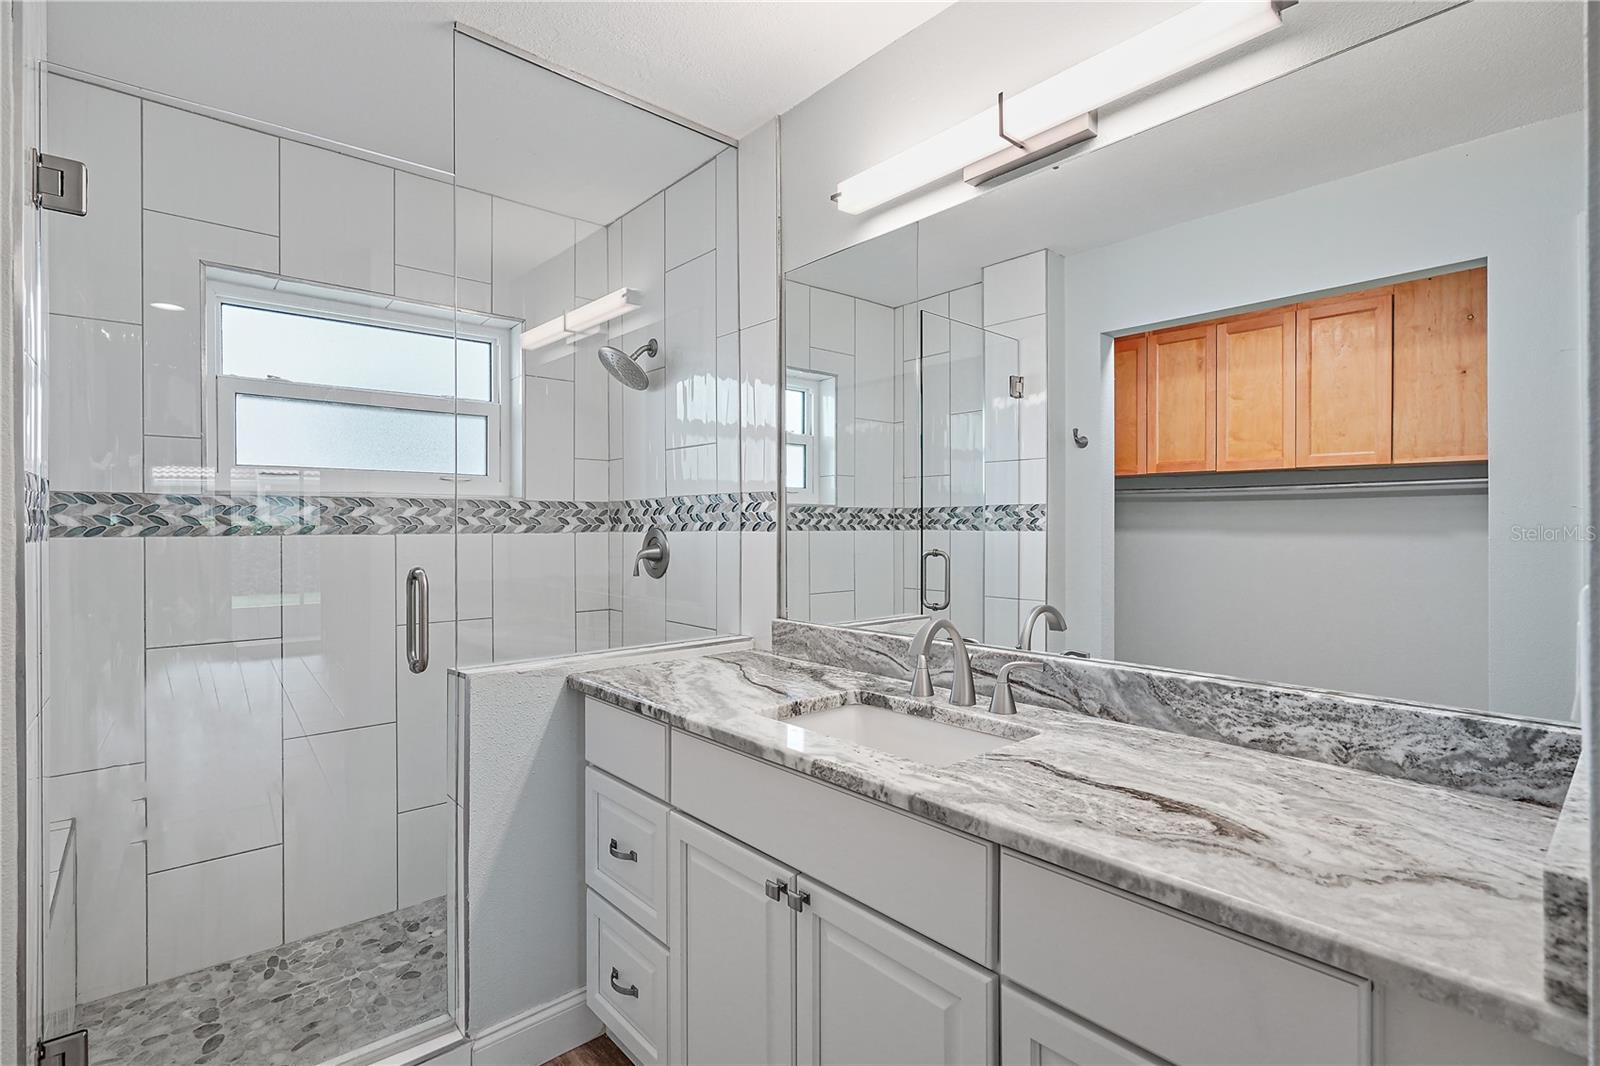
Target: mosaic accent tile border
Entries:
(144, 514)
(35, 507)
(1019, 517)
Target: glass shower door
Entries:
(258, 404)
(980, 507)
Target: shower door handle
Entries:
(417, 619)
(929, 554)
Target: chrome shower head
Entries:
(625, 368)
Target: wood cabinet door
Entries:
(1181, 399)
(1344, 364)
(1441, 368)
(1128, 413)
(1255, 391)
(868, 991)
(731, 995)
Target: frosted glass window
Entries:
(794, 466)
(278, 431)
(794, 411)
(259, 343)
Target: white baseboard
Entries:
(539, 1035)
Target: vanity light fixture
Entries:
(580, 319)
(1059, 111)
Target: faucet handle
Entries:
(921, 678)
(1002, 702)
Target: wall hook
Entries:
(1079, 439)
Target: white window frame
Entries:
(811, 385)
(266, 292)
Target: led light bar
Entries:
(1202, 32)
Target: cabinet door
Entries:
(1255, 392)
(731, 997)
(1181, 399)
(1036, 1033)
(1441, 368)
(871, 992)
(1128, 369)
(1344, 359)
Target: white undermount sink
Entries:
(910, 737)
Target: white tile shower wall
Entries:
(681, 436)
(213, 739)
(340, 829)
(213, 912)
(348, 239)
(338, 647)
(851, 344)
(1014, 316)
(174, 248)
(184, 627)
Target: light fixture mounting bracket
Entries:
(1000, 114)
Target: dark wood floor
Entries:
(598, 1052)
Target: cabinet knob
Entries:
(776, 889)
(626, 856)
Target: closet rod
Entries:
(1427, 486)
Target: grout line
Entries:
(214, 858)
(207, 222)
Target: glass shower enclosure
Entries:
(320, 425)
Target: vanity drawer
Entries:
(1188, 992)
(625, 745)
(625, 850)
(934, 880)
(627, 982)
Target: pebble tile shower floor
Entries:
(304, 1002)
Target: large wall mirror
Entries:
(1287, 389)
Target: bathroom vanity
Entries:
(915, 882)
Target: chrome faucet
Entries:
(1001, 702)
(961, 690)
(1054, 623)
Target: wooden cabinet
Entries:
(1397, 374)
(732, 940)
(1255, 392)
(869, 991)
(1441, 368)
(1181, 399)
(1128, 370)
(1344, 358)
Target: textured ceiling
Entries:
(727, 66)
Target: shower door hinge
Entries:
(60, 184)
(69, 1050)
(1016, 386)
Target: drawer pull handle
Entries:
(626, 856)
(631, 990)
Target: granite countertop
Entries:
(1413, 885)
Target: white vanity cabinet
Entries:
(768, 966)
(743, 913)
(732, 984)
(1036, 1033)
(870, 991)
